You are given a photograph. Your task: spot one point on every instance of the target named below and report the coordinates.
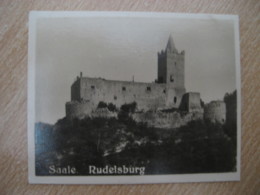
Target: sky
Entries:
(119, 48)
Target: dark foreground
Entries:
(71, 147)
(199, 147)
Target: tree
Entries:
(102, 105)
(111, 107)
(129, 108)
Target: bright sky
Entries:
(119, 48)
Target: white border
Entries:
(211, 177)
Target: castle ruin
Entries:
(215, 111)
(167, 92)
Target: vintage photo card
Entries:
(131, 97)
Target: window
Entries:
(123, 88)
(171, 78)
(164, 91)
(148, 88)
(115, 97)
(175, 100)
(92, 87)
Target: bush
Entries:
(124, 112)
(102, 105)
(111, 107)
(129, 108)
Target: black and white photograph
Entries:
(133, 97)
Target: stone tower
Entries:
(171, 66)
(215, 111)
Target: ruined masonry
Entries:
(167, 92)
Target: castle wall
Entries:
(146, 95)
(75, 90)
(215, 111)
(191, 102)
(103, 113)
(75, 109)
(173, 97)
(166, 120)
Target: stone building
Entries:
(215, 111)
(167, 92)
(191, 102)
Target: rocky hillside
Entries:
(197, 147)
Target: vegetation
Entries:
(198, 147)
(111, 107)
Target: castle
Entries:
(167, 92)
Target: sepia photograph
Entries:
(133, 97)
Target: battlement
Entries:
(163, 54)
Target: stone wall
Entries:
(148, 96)
(166, 120)
(103, 113)
(175, 69)
(75, 90)
(78, 109)
(215, 111)
(191, 102)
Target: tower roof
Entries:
(170, 45)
